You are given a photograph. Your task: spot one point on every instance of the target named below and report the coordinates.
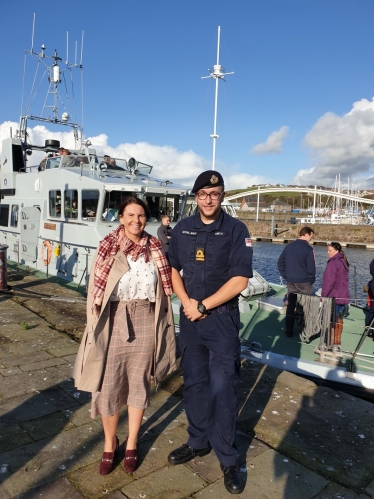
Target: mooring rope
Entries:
(316, 317)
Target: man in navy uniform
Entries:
(214, 251)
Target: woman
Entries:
(130, 329)
(335, 285)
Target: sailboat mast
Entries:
(218, 73)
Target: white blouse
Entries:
(139, 282)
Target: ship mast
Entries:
(218, 73)
(50, 110)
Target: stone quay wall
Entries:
(323, 232)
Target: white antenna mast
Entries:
(32, 36)
(217, 72)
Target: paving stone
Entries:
(271, 475)
(70, 358)
(93, 485)
(153, 452)
(12, 437)
(335, 491)
(46, 460)
(175, 482)
(39, 332)
(68, 386)
(79, 415)
(58, 489)
(14, 360)
(208, 467)
(164, 411)
(31, 345)
(116, 495)
(4, 354)
(370, 488)
(61, 351)
(34, 405)
(47, 426)
(297, 418)
(10, 371)
(37, 380)
(42, 365)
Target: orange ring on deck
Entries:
(48, 246)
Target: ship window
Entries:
(160, 204)
(4, 215)
(14, 216)
(90, 200)
(112, 201)
(55, 204)
(71, 203)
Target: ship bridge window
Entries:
(53, 163)
(14, 215)
(71, 203)
(55, 204)
(4, 215)
(163, 204)
(111, 203)
(90, 200)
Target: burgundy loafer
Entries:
(107, 461)
(130, 463)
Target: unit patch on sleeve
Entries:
(248, 241)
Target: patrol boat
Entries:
(56, 208)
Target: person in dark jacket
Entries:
(335, 285)
(297, 265)
(164, 233)
(370, 291)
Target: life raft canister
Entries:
(47, 246)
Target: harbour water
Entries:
(267, 254)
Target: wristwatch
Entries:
(201, 308)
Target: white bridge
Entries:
(339, 195)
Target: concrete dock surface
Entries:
(296, 440)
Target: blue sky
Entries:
(298, 109)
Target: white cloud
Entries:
(168, 163)
(273, 144)
(243, 180)
(341, 145)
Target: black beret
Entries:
(209, 178)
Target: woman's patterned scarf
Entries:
(118, 241)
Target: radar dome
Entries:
(65, 117)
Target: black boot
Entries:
(233, 479)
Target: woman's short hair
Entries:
(134, 200)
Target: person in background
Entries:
(66, 159)
(130, 329)
(297, 266)
(164, 233)
(214, 251)
(369, 289)
(335, 285)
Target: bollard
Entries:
(3, 268)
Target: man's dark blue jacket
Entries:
(297, 262)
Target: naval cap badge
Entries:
(213, 179)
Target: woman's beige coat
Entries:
(90, 362)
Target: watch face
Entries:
(201, 308)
